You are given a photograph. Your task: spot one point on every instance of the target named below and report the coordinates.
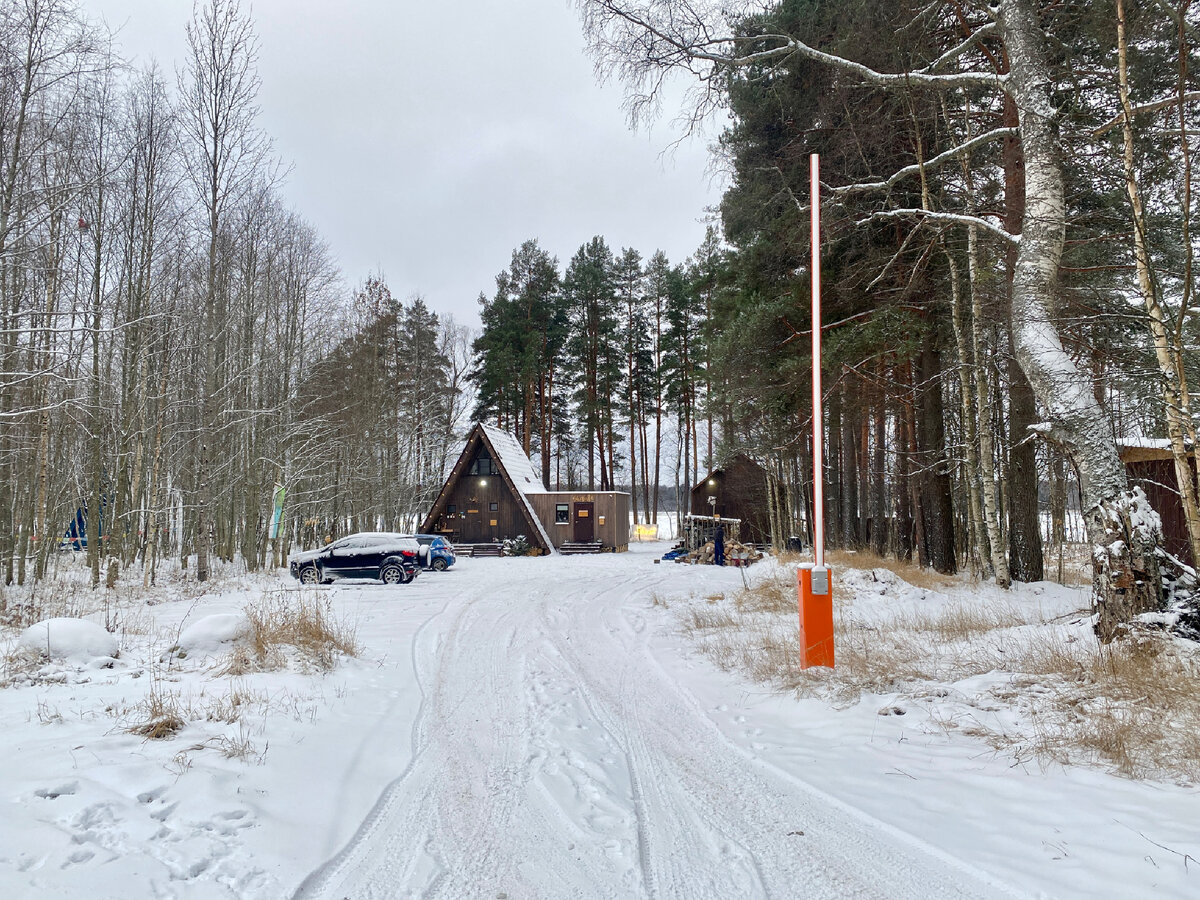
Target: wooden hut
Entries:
(493, 494)
(1150, 465)
(582, 519)
(739, 491)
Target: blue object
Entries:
(437, 552)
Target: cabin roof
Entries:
(518, 469)
(513, 460)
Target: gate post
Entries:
(815, 586)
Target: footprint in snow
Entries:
(65, 790)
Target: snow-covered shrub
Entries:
(75, 640)
(518, 546)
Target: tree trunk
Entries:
(1167, 355)
(1122, 528)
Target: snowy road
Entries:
(554, 754)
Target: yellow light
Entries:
(483, 482)
(712, 481)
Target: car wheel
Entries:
(392, 574)
(439, 565)
(308, 575)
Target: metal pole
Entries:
(818, 417)
(815, 581)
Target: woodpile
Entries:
(736, 554)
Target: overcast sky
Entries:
(429, 139)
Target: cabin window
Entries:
(493, 506)
(451, 509)
(562, 514)
(482, 464)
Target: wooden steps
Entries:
(479, 550)
(572, 547)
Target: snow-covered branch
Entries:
(915, 168)
(949, 218)
(1153, 106)
(632, 38)
(954, 52)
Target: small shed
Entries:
(736, 490)
(585, 517)
(1150, 465)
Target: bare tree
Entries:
(226, 150)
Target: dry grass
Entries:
(910, 572)
(1132, 707)
(162, 716)
(282, 630)
(163, 713)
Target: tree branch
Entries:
(915, 168)
(644, 39)
(1153, 106)
(955, 52)
(949, 218)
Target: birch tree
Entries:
(225, 150)
(639, 42)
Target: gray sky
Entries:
(429, 139)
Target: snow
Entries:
(542, 728)
(512, 455)
(213, 634)
(75, 640)
(1144, 443)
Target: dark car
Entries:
(391, 558)
(436, 552)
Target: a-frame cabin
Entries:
(486, 498)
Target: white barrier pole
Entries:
(818, 416)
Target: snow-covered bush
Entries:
(518, 546)
(75, 640)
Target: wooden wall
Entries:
(1157, 478)
(611, 506)
(473, 521)
(741, 491)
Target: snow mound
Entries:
(214, 633)
(76, 640)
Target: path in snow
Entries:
(553, 756)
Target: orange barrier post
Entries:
(816, 616)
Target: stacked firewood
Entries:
(736, 554)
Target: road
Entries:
(554, 755)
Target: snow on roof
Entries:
(520, 472)
(1145, 443)
(512, 456)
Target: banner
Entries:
(277, 515)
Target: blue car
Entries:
(436, 551)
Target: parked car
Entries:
(436, 551)
(391, 558)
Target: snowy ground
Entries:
(532, 728)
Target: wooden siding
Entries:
(1153, 469)
(473, 521)
(1157, 478)
(740, 488)
(611, 515)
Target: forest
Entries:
(1008, 268)
(177, 347)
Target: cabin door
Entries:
(585, 522)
